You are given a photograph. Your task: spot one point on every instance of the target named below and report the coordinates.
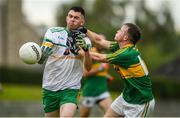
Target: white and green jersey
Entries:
(63, 69)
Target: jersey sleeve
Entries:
(114, 46)
(48, 39)
(122, 58)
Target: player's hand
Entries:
(79, 31)
(46, 52)
(81, 42)
(71, 43)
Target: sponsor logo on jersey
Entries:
(61, 38)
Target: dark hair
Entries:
(134, 32)
(78, 9)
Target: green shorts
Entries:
(53, 100)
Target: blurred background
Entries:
(27, 20)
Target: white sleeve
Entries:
(48, 36)
(48, 39)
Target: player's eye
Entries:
(76, 17)
(70, 16)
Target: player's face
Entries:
(121, 34)
(74, 20)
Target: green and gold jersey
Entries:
(132, 69)
(96, 84)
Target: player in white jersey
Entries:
(64, 66)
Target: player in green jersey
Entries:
(95, 88)
(137, 99)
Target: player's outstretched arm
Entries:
(98, 39)
(98, 57)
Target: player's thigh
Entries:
(105, 103)
(68, 110)
(84, 111)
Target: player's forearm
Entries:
(98, 57)
(87, 61)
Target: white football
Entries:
(30, 53)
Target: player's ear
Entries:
(82, 22)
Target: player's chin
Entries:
(72, 26)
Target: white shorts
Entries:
(121, 107)
(91, 101)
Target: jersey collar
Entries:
(128, 45)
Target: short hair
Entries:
(134, 32)
(78, 9)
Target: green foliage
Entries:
(153, 58)
(157, 28)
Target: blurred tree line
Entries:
(160, 41)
